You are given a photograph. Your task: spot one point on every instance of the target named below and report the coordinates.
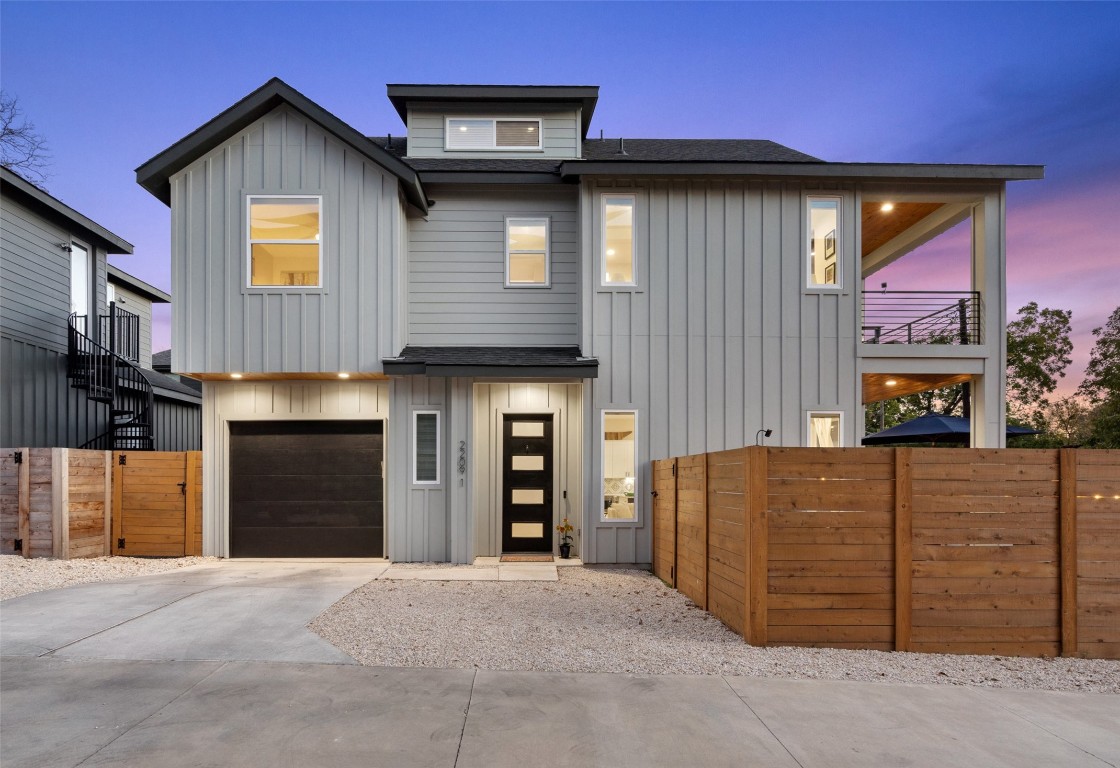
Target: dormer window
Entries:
(493, 134)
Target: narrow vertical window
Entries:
(527, 253)
(825, 429)
(823, 240)
(425, 464)
(620, 432)
(284, 235)
(618, 240)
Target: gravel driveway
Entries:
(22, 576)
(595, 620)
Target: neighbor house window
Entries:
(618, 239)
(425, 465)
(825, 429)
(527, 263)
(620, 433)
(80, 284)
(824, 243)
(284, 240)
(487, 133)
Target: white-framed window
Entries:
(619, 466)
(824, 250)
(425, 448)
(528, 262)
(489, 134)
(825, 429)
(617, 246)
(284, 246)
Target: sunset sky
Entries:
(109, 85)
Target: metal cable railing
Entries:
(921, 317)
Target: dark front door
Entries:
(306, 489)
(527, 483)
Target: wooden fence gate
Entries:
(157, 503)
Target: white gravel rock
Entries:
(21, 576)
(595, 620)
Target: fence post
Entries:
(676, 489)
(108, 502)
(704, 501)
(1067, 552)
(118, 497)
(903, 547)
(757, 549)
(191, 516)
(23, 502)
(60, 502)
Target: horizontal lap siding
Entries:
(1098, 549)
(34, 277)
(221, 325)
(727, 537)
(456, 270)
(831, 547)
(985, 552)
(561, 130)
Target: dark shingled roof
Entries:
(161, 361)
(170, 386)
(529, 362)
(605, 150)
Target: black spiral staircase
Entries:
(107, 368)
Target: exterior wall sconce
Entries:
(761, 435)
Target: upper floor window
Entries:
(823, 237)
(618, 239)
(488, 133)
(284, 240)
(527, 253)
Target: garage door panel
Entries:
(297, 542)
(306, 489)
(319, 514)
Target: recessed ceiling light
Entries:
(235, 375)
(887, 207)
(890, 382)
(343, 375)
(610, 251)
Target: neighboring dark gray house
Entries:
(438, 346)
(72, 370)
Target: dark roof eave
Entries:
(587, 370)
(154, 175)
(400, 94)
(489, 177)
(909, 171)
(27, 193)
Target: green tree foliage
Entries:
(1038, 353)
(1101, 386)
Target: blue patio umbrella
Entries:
(933, 428)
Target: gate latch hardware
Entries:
(18, 545)
(120, 543)
(182, 487)
(123, 459)
(18, 456)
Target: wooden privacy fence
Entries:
(69, 503)
(1009, 552)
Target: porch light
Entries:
(890, 382)
(887, 207)
(235, 375)
(343, 375)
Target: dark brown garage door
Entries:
(306, 489)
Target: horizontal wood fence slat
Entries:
(70, 503)
(1009, 551)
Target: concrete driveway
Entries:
(213, 666)
(228, 611)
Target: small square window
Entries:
(284, 241)
(825, 429)
(527, 253)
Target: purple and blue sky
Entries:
(112, 84)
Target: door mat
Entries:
(526, 558)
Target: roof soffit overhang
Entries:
(401, 95)
(24, 192)
(118, 276)
(838, 171)
(155, 174)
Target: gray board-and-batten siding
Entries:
(222, 324)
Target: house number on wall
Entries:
(462, 457)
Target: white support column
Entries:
(989, 262)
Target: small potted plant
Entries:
(565, 528)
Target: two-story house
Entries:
(436, 346)
(75, 336)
